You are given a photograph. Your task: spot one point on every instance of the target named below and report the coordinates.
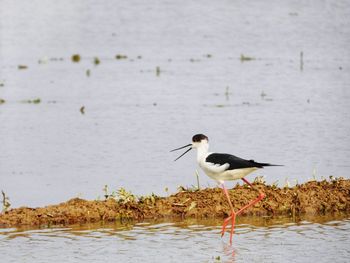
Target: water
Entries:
(277, 240)
(272, 109)
(266, 109)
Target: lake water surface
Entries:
(184, 74)
(256, 240)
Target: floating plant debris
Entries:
(22, 67)
(34, 101)
(119, 56)
(76, 58)
(246, 58)
(97, 61)
(82, 109)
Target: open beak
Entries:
(188, 145)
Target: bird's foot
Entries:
(232, 219)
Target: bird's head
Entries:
(198, 140)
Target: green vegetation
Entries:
(119, 56)
(246, 58)
(123, 196)
(2, 101)
(34, 101)
(76, 58)
(5, 202)
(97, 61)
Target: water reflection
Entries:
(256, 239)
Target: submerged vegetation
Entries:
(97, 61)
(76, 58)
(311, 198)
(119, 56)
(33, 101)
(22, 66)
(246, 58)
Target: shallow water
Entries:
(267, 109)
(271, 109)
(256, 240)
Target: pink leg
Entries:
(259, 198)
(232, 217)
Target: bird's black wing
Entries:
(234, 161)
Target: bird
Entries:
(224, 167)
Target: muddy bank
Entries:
(310, 198)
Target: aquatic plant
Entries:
(97, 61)
(22, 67)
(88, 72)
(5, 202)
(218, 258)
(301, 61)
(2, 101)
(246, 58)
(157, 70)
(166, 189)
(119, 56)
(227, 93)
(82, 109)
(34, 101)
(76, 58)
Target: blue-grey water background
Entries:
(184, 74)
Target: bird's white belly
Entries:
(220, 174)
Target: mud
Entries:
(311, 198)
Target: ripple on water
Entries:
(187, 241)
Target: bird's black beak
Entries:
(188, 145)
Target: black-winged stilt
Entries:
(224, 167)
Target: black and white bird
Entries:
(224, 167)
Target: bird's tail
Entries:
(270, 164)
